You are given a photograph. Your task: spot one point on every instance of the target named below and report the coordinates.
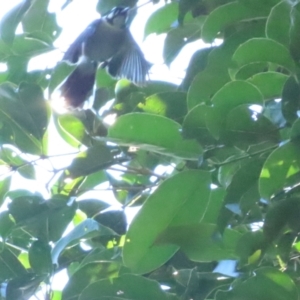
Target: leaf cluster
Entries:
(212, 165)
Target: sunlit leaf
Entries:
(180, 200)
(11, 20)
(263, 50)
(154, 133)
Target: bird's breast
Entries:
(106, 41)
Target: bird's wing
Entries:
(79, 85)
(129, 63)
(76, 48)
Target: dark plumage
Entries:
(109, 41)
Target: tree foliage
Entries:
(220, 222)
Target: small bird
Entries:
(107, 41)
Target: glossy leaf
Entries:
(40, 257)
(226, 15)
(265, 283)
(29, 46)
(87, 275)
(132, 287)
(10, 267)
(208, 82)
(11, 20)
(22, 287)
(178, 37)
(154, 133)
(291, 100)
(194, 125)
(263, 50)
(14, 113)
(166, 207)
(270, 84)
(93, 159)
(39, 19)
(197, 241)
(295, 26)
(280, 166)
(236, 93)
(162, 19)
(88, 228)
(245, 127)
(71, 129)
(33, 99)
(168, 104)
(279, 31)
(59, 74)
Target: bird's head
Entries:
(118, 16)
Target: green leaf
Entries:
(103, 79)
(91, 207)
(93, 159)
(10, 266)
(132, 287)
(13, 111)
(295, 27)
(214, 206)
(88, 228)
(270, 84)
(40, 257)
(154, 133)
(197, 64)
(33, 99)
(91, 181)
(23, 286)
(209, 81)
(59, 73)
(87, 275)
(282, 164)
(279, 31)
(245, 128)
(266, 283)
(236, 93)
(71, 129)
(44, 220)
(166, 207)
(27, 171)
(226, 15)
(113, 219)
(197, 241)
(247, 71)
(248, 244)
(39, 19)
(154, 87)
(27, 46)
(242, 180)
(295, 131)
(291, 100)
(230, 96)
(162, 19)
(168, 104)
(177, 38)
(263, 50)
(194, 125)
(11, 20)
(276, 218)
(4, 187)
(6, 224)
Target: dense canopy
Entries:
(211, 165)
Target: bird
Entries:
(109, 42)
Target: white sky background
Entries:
(73, 20)
(80, 13)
